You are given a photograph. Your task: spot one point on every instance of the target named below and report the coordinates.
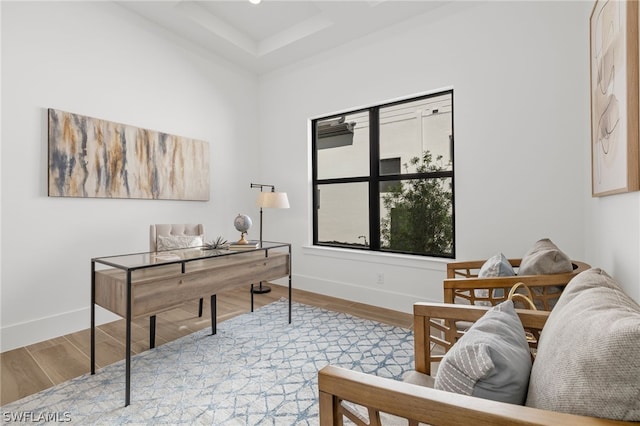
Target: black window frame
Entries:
(374, 178)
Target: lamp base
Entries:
(261, 289)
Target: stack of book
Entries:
(251, 245)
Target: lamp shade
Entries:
(273, 200)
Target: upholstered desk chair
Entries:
(170, 237)
(158, 236)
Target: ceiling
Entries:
(275, 33)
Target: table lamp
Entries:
(268, 200)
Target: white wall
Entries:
(613, 238)
(520, 75)
(96, 59)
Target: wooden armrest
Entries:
(454, 268)
(464, 269)
(508, 282)
(434, 326)
(427, 405)
(461, 283)
(530, 280)
(447, 311)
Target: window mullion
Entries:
(374, 181)
(314, 179)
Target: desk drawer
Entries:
(162, 291)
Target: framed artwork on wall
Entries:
(615, 156)
(90, 157)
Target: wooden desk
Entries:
(144, 284)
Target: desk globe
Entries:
(242, 222)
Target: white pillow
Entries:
(173, 242)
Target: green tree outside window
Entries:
(420, 213)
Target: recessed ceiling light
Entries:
(255, 1)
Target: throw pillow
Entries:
(173, 242)
(496, 266)
(545, 258)
(588, 359)
(491, 360)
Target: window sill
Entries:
(393, 259)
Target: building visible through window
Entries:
(383, 177)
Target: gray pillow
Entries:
(496, 266)
(491, 360)
(588, 359)
(544, 258)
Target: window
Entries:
(383, 177)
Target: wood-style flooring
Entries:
(30, 369)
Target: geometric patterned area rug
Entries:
(257, 370)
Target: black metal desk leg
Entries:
(214, 319)
(290, 295)
(127, 392)
(93, 317)
(251, 297)
(152, 331)
(200, 307)
(289, 299)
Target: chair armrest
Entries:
(470, 268)
(434, 326)
(447, 311)
(425, 405)
(462, 282)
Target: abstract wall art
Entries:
(615, 156)
(90, 157)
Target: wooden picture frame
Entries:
(615, 156)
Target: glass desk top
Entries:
(149, 259)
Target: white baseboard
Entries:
(30, 332)
(369, 295)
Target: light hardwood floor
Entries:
(27, 370)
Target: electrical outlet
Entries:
(380, 278)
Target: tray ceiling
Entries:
(275, 33)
